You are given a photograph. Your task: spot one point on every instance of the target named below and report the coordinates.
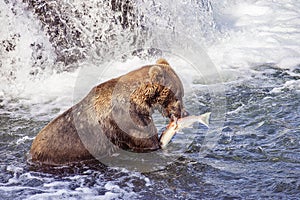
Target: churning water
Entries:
(239, 60)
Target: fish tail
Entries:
(204, 119)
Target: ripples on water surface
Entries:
(256, 154)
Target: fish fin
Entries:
(204, 119)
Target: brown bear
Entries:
(115, 114)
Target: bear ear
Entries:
(162, 61)
(156, 74)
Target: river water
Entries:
(239, 60)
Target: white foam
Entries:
(293, 85)
(20, 27)
(111, 186)
(262, 31)
(24, 139)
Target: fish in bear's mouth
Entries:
(180, 123)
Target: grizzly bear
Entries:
(116, 114)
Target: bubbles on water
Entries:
(85, 183)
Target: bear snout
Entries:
(175, 110)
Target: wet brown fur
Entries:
(77, 134)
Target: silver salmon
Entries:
(180, 123)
